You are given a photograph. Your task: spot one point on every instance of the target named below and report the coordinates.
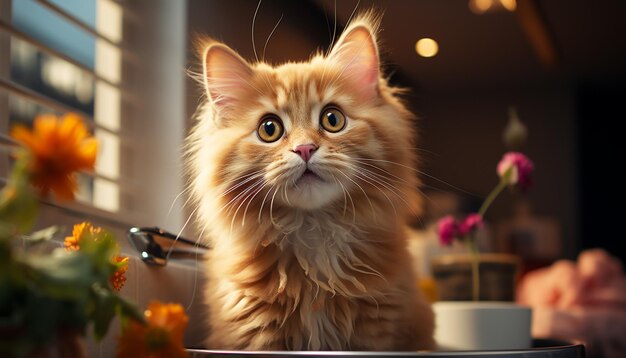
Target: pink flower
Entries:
(470, 224)
(520, 166)
(448, 229)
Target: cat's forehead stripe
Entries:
(281, 97)
(269, 103)
(313, 94)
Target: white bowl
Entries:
(463, 325)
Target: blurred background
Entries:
(557, 65)
(560, 64)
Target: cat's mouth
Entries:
(308, 176)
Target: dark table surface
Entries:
(541, 348)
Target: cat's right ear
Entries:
(226, 75)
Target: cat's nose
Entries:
(305, 151)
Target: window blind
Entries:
(60, 56)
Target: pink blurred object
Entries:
(471, 222)
(447, 228)
(521, 166)
(580, 301)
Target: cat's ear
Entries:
(356, 54)
(226, 74)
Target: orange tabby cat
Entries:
(303, 177)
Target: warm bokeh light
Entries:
(510, 5)
(480, 6)
(426, 47)
(483, 6)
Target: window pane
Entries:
(106, 195)
(71, 85)
(51, 76)
(84, 10)
(53, 30)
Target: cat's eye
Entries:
(332, 119)
(270, 129)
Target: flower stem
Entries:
(475, 271)
(493, 195)
(473, 245)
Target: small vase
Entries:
(494, 321)
(498, 276)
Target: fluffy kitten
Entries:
(303, 178)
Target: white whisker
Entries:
(365, 179)
(270, 36)
(232, 201)
(233, 188)
(364, 193)
(285, 194)
(253, 21)
(187, 189)
(262, 203)
(243, 220)
(353, 11)
(382, 170)
(419, 172)
(249, 192)
(169, 253)
(272, 209)
(345, 191)
(196, 270)
(332, 41)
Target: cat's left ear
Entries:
(226, 75)
(356, 54)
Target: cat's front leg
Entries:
(403, 322)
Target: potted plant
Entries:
(476, 310)
(50, 300)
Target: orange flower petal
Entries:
(71, 244)
(161, 337)
(88, 152)
(78, 232)
(59, 148)
(118, 279)
(22, 134)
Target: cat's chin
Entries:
(311, 193)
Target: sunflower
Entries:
(161, 336)
(57, 148)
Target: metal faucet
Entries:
(156, 246)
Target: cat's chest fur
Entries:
(308, 279)
(324, 246)
(321, 278)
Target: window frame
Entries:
(142, 136)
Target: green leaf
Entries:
(43, 235)
(106, 305)
(104, 311)
(18, 203)
(128, 310)
(6, 255)
(62, 275)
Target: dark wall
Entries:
(462, 134)
(603, 202)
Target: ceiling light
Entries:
(426, 47)
(510, 5)
(483, 6)
(480, 6)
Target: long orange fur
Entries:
(285, 276)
